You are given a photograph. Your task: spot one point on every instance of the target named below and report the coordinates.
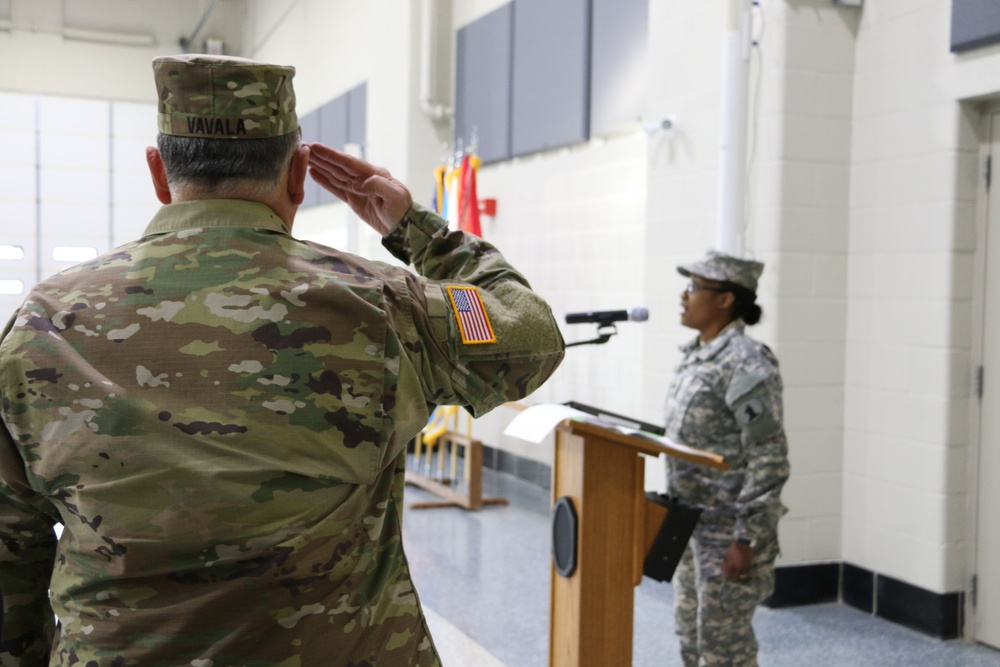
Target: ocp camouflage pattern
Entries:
(221, 97)
(218, 413)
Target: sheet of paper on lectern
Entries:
(535, 423)
(538, 421)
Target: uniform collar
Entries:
(705, 351)
(204, 213)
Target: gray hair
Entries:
(226, 168)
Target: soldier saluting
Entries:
(218, 412)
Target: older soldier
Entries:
(726, 398)
(218, 413)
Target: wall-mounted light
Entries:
(666, 126)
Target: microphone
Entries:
(637, 314)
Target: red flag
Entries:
(468, 212)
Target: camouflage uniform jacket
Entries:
(218, 414)
(725, 398)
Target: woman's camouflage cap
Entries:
(223, 97)
(717, 265)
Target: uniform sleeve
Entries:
(484, 336)
(27, 553)
(754, 396)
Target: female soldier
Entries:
(725, 398)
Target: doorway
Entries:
(986, 586)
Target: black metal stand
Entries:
(604, 334)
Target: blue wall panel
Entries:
(974, 23)
(310, 133)
(333, 132)
(483, 85)
(618, 61)
(357, 115)
(550, 102)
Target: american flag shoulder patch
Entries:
(473, 322)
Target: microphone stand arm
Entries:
(604, 334)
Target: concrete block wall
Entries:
(801, 216)
(685, 64)
(797, 202)
(912, 244)
(573, 222)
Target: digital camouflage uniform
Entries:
(218, 414)
(725, 398)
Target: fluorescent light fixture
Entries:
(65, 253)
(11, 287)
(11, 252)
(109, 37)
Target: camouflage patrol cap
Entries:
(221, 97)
(717, 265)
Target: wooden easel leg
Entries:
(471, 498)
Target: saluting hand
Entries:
(370, 191)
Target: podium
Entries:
(598, 482)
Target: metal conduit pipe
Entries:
(186, 42)
(429, 61)
(733, 139)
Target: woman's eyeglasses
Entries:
(693, 287)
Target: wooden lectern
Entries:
(600, 472)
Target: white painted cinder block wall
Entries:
(863, 187)
(798, 184)
(914, 175)
(862, 203)
(802, 216)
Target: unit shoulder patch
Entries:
(749, 411)
(470, 313)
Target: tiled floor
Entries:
(483, 578)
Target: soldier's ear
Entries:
(159, 174)
(726, 300)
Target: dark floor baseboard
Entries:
(857, 587)
(518, 466)
(937, 614)
(798, 585)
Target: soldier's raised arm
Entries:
(480, 335)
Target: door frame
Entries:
(987, 113)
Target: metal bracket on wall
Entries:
(185, 42)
